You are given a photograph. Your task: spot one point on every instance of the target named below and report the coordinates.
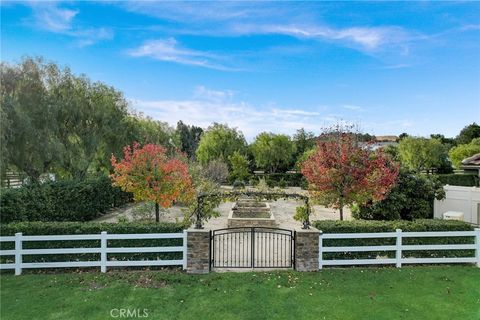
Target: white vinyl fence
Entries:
(103, 250)
(398, 247)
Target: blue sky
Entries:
(389, 67)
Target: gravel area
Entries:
(283, 211)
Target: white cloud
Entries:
(207, 106)
(398, 66)
(247, 18)
(204, 93)
(50, 17)
(169, 50)
(352, 107)
(366, 38)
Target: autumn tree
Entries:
(341, 173)
(151, 175)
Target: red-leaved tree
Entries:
(341, 173)
(151, 175)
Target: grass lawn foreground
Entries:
(447, 292)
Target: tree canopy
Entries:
(240, 167)
(463, 151)
(418, 154)
(151, 175)
(220, 142)
(468, 133)
(273, 152)
(189, 138)
(341, 173)
(54, 121)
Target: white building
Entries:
(460, 199)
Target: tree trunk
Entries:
(341, 213)
(157, 212)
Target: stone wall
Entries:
(198, 251)
(306, 249)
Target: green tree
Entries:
(189, 138)
(411, 198)
(59, 122)
(90, 121)
(220, 142)
(447, 142)
(303, 141)
(31, 145)
(240, 167)
(273, 152)
(463, 151)
(392, 151)
(146, 130)
(418, 154)
(468, 133)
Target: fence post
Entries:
(185, 249)
(398, 253)
(103, 251)
(477, 246)
(18, 253)
(320, 248)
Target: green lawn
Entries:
(368, 293)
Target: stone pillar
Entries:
(198, 251)
(306, 249)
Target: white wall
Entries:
(463, 199)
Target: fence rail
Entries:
(103, 250)
(399, 248)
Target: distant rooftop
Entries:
(386, 138)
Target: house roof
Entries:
(472, 161)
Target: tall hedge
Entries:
(466, 180)
(66, 200)
(421, 225)
(60, 228)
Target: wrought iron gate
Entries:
(252, 247)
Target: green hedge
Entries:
(282, 180)
(65, 200)
(362, 226)
(60, 228)
(466, 180)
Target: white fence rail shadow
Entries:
(103, 250)
(398, 248)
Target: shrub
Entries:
(282, 183)
(238, 184)
(59, 228)
(362, 226)
(216, 171)
(290, 179)
(466, 180)
(65, 200)
(412, 198)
